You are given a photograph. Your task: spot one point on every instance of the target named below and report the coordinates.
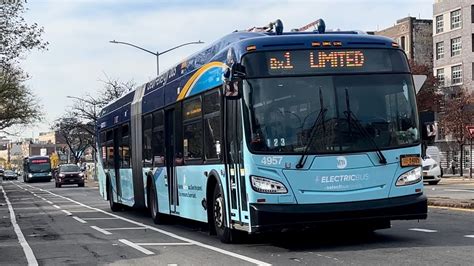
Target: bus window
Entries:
(212, 126)
(147, 127)
(109, 139)
(192, 141)
(125, 146)
(158, 141)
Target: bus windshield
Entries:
(281, 113)
(39, 167)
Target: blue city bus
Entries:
(266, 130)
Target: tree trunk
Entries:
(461, 161)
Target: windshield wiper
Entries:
(321, 116)
(352, 117)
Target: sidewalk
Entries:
(457, 192)
(91, 183)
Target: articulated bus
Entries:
(266, 130)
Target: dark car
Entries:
(67, 174)
(2, 172)
(10, 175)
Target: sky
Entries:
(80, 56)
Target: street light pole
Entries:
(157, 54)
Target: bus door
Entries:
(173, 156)
(234, 162)
(117, 159)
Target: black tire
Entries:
(156, 216)
(80, 185)
(433, 182)
(219, 220)
(56, 184)
(115, 207)
(59, 185)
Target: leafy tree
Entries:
(17, 36)
(18, 104)
(458, 113)
(429, 97)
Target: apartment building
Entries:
(453, 42)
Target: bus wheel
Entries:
(156, 216)
(225, 234)
(115, 207)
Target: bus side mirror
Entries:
(233, 78)
(419, 80)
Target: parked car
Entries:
(10, 175)
(67, 174)
(431, 171)
(2, 172)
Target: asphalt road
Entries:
(72, 225)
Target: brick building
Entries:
(415, 38)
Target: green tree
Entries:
(18, 104)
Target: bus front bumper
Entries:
(275, 217)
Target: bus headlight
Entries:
(265, 185)
(410, 177)
(30, 175)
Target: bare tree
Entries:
(458, 113)
(76, 135)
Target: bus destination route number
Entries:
(318, 59)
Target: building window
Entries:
(440, 76)
(472, 13)
(456, 46)
(456, 74)
(439, 24)
(472, 42)
(456, 19)
(402, 42)
(439, 50)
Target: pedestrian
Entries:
(453, 166)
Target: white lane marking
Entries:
(470, 236)
(216, 249)
(459, 190)
(30, 256)
(137, 247)
(125, 228)
(101, 230)
(164, 244)
(98, 218)
(56, 206)
(79, 220)
(49, 202)
(423, 230)
(66, 212)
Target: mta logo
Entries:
(341, 162)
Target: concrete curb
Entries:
(451, 203)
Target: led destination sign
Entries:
(321, 61)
